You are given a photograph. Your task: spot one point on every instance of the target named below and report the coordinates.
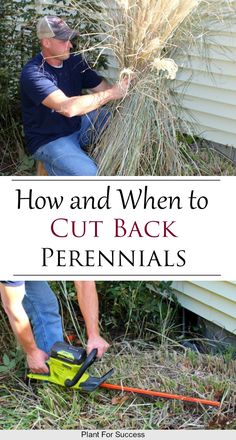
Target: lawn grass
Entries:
(138, 363)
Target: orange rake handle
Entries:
(158, 394)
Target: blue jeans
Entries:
(41, 306)
(66, 156)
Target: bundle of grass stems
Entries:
(144, 134)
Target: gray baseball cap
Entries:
(54, 27)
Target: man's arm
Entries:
(80, 105)
(88, 302)
(12, 298)
(102, 87)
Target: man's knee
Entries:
(78, 165)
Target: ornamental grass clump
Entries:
(143, 136)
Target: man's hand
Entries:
(120, 89)
(99, 343)
(36, 361)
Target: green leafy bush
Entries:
(132, 309)
(19, 43)
(135, 307)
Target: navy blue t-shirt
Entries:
(39, 79)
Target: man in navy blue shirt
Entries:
(33, 303)
(59, 122)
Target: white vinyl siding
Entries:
(210, 97)
(214, 301)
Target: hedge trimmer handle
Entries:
(88, 361)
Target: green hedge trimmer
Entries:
(68, 367)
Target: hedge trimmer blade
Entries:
(110, 386)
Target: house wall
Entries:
(214, 301)
(210, 97)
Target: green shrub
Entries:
(19, 43)
(134, 309)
